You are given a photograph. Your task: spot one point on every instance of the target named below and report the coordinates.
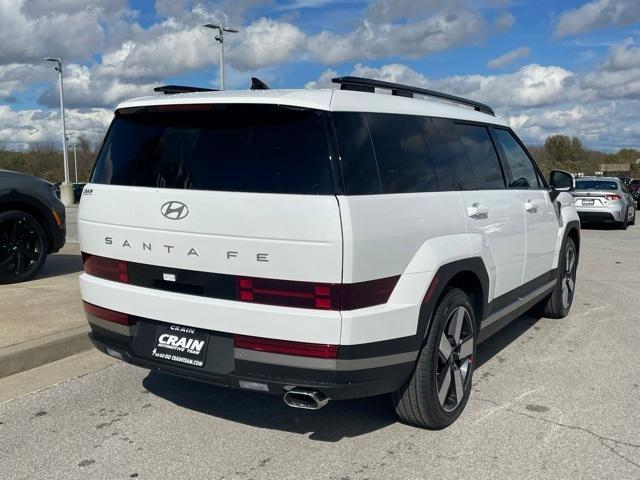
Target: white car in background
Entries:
(604, 200)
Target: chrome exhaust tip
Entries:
(305, 398)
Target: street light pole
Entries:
(66, 191)
(75, 159)
(220, 39)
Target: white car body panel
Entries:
(300, 234)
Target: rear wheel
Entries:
(625, 223)
(558, 304)
(633, 219)
(437, 392)
(23, 246)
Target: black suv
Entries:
(32, 225)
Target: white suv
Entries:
(320, 244)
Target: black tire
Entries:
(556, 305)
(420, 400)
(633, 219)
(23, 246)
(625, 223)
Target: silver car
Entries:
(604, 200)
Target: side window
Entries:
(449, 155)
(482, 156)
(357, 159)
(523, 173)
(401, 152)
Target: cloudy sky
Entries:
(548, 67)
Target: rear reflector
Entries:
(108, 315)
(322, 296)
(107, 268)
(299, 349)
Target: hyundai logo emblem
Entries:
(174, 210)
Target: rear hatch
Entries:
(244, 192)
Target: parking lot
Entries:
(550, 399)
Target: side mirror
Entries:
(562, 181)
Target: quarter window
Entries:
(402, 154)
(357, 160)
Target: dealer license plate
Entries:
(182, 345)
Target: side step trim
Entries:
(519, 303)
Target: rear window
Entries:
(596, 185)
(240, 148)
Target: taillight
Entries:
(323, 296)
(612, 196)
(108, 315)
(287, 293)
(107, 268)
(299, 349)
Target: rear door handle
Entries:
(531, 206)
(477, 211)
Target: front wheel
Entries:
(558, 304)
(437, 392)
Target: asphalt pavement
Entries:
(551, 399)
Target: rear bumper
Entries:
(599, 217)
(230, 367)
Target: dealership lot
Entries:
(551, 399)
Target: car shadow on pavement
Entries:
(493, 345)
(60, 264)
(337, 420)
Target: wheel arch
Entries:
(32, 206)
(470, 275)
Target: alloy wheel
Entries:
(569, 276)
(455, 356)
(21, 247)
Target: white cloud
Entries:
(597, 14)
(324, 81)
(21, 127)
(30, 31)
(382, 11)
(507, 58)
(504, 22)
(15, 77)
(264, 43)
(414, 39)
(622, 56)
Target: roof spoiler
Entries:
(256, 84)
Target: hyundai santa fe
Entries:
(321, 244)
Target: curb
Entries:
(34, 353)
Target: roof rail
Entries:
(173, 89)
(361, 84)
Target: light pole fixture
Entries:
(66, 191)
(75, 158)
(220, 39)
